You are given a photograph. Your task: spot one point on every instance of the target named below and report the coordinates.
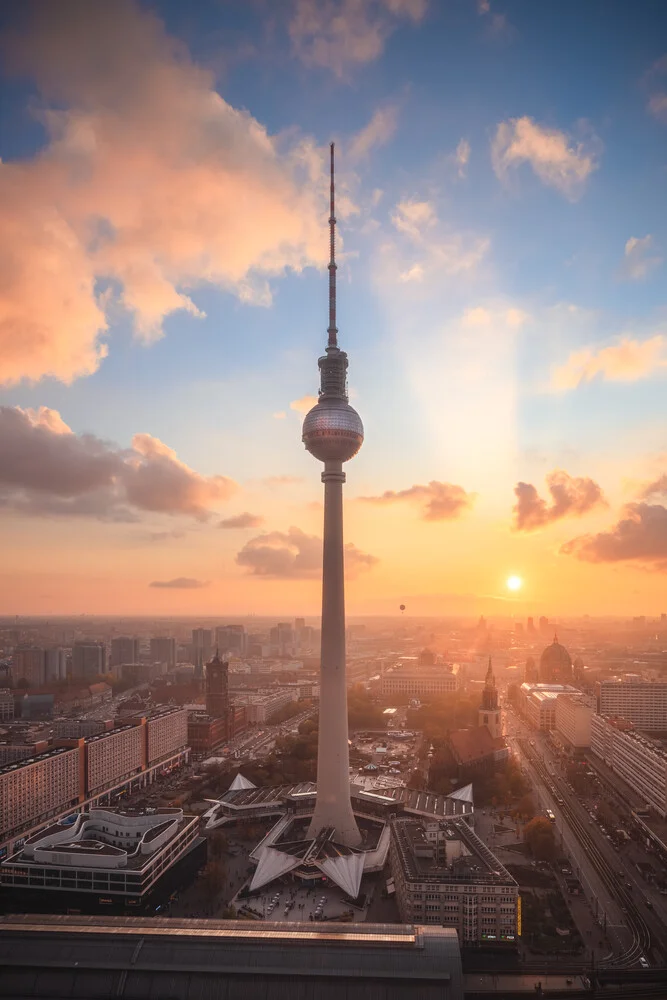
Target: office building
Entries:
(206, 735)
(537, 703)
(88, 660)
(420, 681)
(217, 688)
(114, 856)
(226, 958)
(555, 664)
(281, 640)
(261, 706)
(573, 720)
(28, 666)
(640, 760)
(162, 649)
(202, 645)
(6, 705)
(124, 649)
(642, 702)
(444, 874)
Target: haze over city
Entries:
(501, 293)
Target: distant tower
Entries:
(333, 433)
(217, 688)
(489, 712)
(530, 673)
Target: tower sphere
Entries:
(333, 431)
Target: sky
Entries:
(502, 230)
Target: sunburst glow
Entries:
(514, 583)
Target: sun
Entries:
(514, 583)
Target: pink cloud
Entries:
(295, 555)
(441, 501)
(570, 496)
(149, 179)
(640, 536)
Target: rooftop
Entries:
(474, 863)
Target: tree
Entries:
(539, 836)
(525, 806)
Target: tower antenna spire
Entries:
(332, 330)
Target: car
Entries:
(649, 904)
(644, 964)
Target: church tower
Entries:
(489, 712)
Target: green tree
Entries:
(539, 836)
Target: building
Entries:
(113, 757)
(261, 706)
(282, 640)
(34, 790)
(475, 751)
(202, 646)
(530, 671)
(537, 703)
(124, 649)
(206, 734)
(231, 640)
(555, 664)
(28, 666)
(76, 729)
(223, 958)
(162, 649)
(55, 664)
(166, 733)
(444, 874)
(637, 758)
(10, 752)
(642, 702)
(217, 688)
(88, 660)
(6, 705)
(420, 681)
(489, 710)
(113, 856)
(573, 720)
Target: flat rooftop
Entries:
(479, 866)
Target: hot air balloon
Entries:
(401, 607)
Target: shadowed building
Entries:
(555, 664)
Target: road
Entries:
(633, 930)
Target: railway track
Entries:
(641, 933)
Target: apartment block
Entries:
(642, 702)
(38, 788)
(114, 756)
(166, 732)
(6, 705)
(573, 720)
(641, 761)
(28, 666)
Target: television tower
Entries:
(333, 433)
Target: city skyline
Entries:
(503, 269)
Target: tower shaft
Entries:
(333, 806)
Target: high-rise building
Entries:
(489, 710)
(89, 659)
(55, 664)
(231, 639)
(544, 625)
(162, 650)
(217, 689)
(6, 705)
(333, 433)
(530, 626)
(202, 648)
(642, 702)
(281, 639)
(28, 666)
(124, 649)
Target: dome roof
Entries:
(555, 663)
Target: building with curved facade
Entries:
(555, 664)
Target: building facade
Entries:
(6, 705)
(537, 703)
(642, 702)
(89, 660)
(444, 874)
(34, 790)
(573, 720)
(162, 649)
(419, 682)
(217, 688)
(124, 649)
(639, 760)
(28, 666)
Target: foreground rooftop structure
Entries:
(140, 957)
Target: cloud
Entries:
(571, 496)
(179, 583)
(657, 102)
(46, 469)
(279, 415)
(149, 185)
(441, 501)
(640, 258)
(275, 481)
(295, 555)
(439, 250)
(304, 404)
(244, 520)
(378, 132)
(558, 160)
(640, 535)
(340, 34)
(625, 361)
(461, 157)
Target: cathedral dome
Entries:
(555, 664)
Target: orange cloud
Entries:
(441, 501)
(641, 536)
(150, 180)
(336, 34)
(244, 520)
(304, 404)
(625, 361)
(570, 496)
(557, 160)
(47, 470)
(179, 583)
(295, 555)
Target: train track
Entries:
(641, 933)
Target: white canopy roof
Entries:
(240, 782)
(462, 794)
